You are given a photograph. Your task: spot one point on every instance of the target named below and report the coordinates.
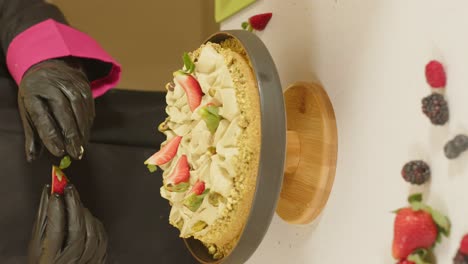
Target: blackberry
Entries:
(460, 258)
(416, 172)
(435, 108)
(456, 146)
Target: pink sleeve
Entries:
(50, 39)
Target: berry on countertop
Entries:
(417, 227)
(462, 254)
(460, 258)
(257, 22)
(456, 146)
(435, 107)
(416, 172)
(464, 245)
(435, 74)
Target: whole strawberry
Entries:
(417, 227)
(257, 22)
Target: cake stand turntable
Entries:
(298, 152)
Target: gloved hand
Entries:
(65, 232)
(56, 105)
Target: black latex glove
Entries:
(65, 232)
(57, 107)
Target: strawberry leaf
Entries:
(247, 26)
(442, 222)
(419, 257)
(438, 238)
(188, 63)
(65, 163)
(417, 197)
(210, 114)
(152, 168)
(417, 206)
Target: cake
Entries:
(211, 153)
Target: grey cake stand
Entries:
(297, 157)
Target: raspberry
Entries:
(435, 108)
(416, 172)
(435, 74)
(456, 146)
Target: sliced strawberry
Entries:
(59, 180)
(257, 22)
(464, 245)
(178, 180)
(198, 188)
(166, 154)
(191, 87)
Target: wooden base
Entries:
(311, 153)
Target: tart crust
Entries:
(223, 234)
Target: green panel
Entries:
(227, 8)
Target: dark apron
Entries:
(111, 179)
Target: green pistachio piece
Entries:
(170, 86)
(212, 150)
(164, 125)
(215, 198)
(193, 201)
(152, 168)
(199, 226)
(218, 255)
(212, 249)
(180, 223)
(212, 92)
(181, 187)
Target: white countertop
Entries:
(370, 56)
